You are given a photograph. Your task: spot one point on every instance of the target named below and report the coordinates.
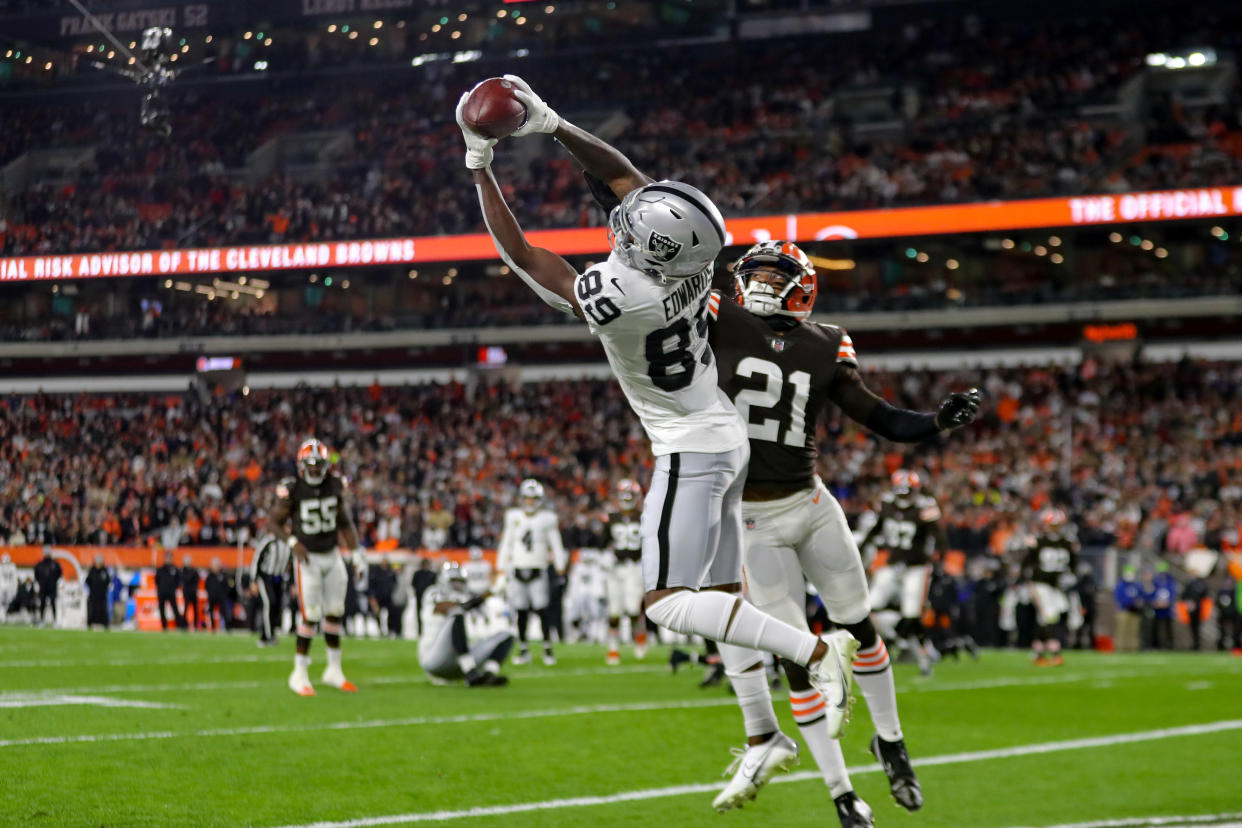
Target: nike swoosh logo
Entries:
(845, 690)
(816, 498)
(751, 769)
(617, 285)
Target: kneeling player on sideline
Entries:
(625, 571)
(444, 650)
(1049, 567)
(782, 371)
(315, 503)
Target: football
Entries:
(493, 110)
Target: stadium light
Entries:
(1007, 244)
(923, 258)
(1114, 237)
(1056, 258)
(332, 29)
(1157, 59)
(1161, 253)
(378, 24)
(952, 264)
(1040, 250)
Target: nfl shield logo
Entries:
(777, 343)
(750, 523)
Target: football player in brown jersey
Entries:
(311, 512)
(782, 371)
(1049, 567)
(624, 579)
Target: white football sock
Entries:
(491, 666)
(808, 711)
(751, 687)
(466, 662)
(707, 614)
(301, 663)
(334, 658)
(874, 674)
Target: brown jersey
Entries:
(1051, 560)
(625, 536)
(908, 528)
(780, 382)
(316, 511)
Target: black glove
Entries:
(958, 409)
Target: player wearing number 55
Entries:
(648, 304)
(311, 510)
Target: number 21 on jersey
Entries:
(769, 397)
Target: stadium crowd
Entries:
(1132, 451)
(759, 120)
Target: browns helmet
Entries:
(775, 278)
(904, 482)
(629, 495)
(313, 461)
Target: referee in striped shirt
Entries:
(267, 575)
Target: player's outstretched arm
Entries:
(901, 425)
(601, 161)
(278, 520)
(549, 275)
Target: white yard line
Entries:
(1214, 820)
(408, 678)
(680, 790)
(413, 721)
(62, 700)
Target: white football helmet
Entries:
(667, 229)
(530, 492)
(452, 578)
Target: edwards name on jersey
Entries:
(780, 382)
(655, 337)
(316, 511)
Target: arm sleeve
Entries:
(862, 405)
(549, 298)
(559, 557)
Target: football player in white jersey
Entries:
(444, 649)
(648, 305)
(530, 541)
(8, 583)
(478, 572)
(624, 584)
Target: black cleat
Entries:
(478, 677)
(852, 811)
(714, 678)
(901, 779)
(677, 658)
(971, 646)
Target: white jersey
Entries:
(655, 338)
(431, 621)
(530, 541)
(8, 580)
(478, 576)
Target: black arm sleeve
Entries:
(862, 406)
(473, 602)
(604, 197)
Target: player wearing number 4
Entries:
(782, 371)
(314, 503)
(530, 541)
(647, 303)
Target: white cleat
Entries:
(833, 677)
(299, 683)
(522, 657)
(549, 660)
(336, 678)
(640, 651)
(753, 767)
(613, 658)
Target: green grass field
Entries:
(220, 740)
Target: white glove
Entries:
(478, 148)
(539, 116)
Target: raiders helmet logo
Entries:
(750, 523)
(662, 247)
(777, 343)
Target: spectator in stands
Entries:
(1194, 594)
(1228, 612)
(98, 591)
(167, 581)
(1131, 605)
(47, 573)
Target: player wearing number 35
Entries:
(648, 304)
(311, 509)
